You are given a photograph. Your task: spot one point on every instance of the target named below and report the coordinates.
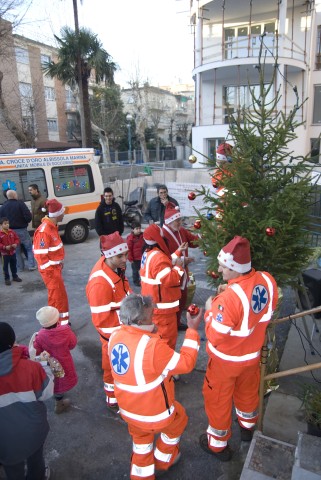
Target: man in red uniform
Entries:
(142, 366)
(106, 287)
(161, 280)
(49, 253)
(178, 237)
(235, 325)
(223, 158)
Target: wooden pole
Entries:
(292, 371)
(264, 357)
(296, 315)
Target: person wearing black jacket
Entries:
(19, 216)
(109, 217)
(156, 207)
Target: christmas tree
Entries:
(267, 189)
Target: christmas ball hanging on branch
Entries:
(270, 231)
(192, 196)
(209, 216)
(197, 224)
(193, 309)
(212, 274)
(192, 159)
(205, 253)
(218, 217)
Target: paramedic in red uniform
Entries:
(223, 158)
(106, 287)
(49, 253)
(161, 280)
(176, 237)
(142, 366)
(235, 325)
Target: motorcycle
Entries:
(132, 212)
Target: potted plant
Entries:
(311, 404)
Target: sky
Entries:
(149, 37)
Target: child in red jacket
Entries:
(9, 241)
(135, 244)
(57, 340)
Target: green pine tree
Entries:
(267, 187)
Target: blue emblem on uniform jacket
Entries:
(42, 243)
(259, 298)
(120, 359)
(219, 318)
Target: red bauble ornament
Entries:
(270, 231)
(197, 224)
(215, 275)
(215, 185)
(205, 253)
(193, 309)
(192, 196)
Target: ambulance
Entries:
(72, 176)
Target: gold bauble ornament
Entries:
(192, 159)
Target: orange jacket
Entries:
(236, 323)
(142, 367)
(161, 281)
(105, 290)
(175, 239)
(48, 248)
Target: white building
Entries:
(227, 41)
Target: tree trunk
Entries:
(89, 138)
(104, 142)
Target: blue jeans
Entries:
(12, 261)
(25, 240)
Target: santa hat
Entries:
(113, 244)
(172, 213)
(152, 235)
(54, 208)
(236, 255)
(224, 152)
(47, 316)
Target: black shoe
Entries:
(7, 281)
(246, 434)
(16, 279)
(182, 327)
(224, 455)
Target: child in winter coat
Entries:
(9, 241)
(57, 340)
(135, 242)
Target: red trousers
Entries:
(224, 384)
(57, 295)
(144, 458)
(167, 327)
(107, 375)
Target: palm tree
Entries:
(92, 57)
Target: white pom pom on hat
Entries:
(47, 316)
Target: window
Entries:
(212, 144)
(318, 50)
(72, 180)
(52, 125)
(25, 89)
(317, 104)
(237, 97)
(315, 150)
(50, 93)
(244, 41)
(20, 179)
(44, 59)
(22, 55)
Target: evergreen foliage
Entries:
(266, 186)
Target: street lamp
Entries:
(129, 119)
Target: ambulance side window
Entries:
(72, 180)
(19, 180)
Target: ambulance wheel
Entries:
(76, 232)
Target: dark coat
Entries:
(155, 210)
(109, 219)
(17, 212)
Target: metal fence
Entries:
(137, 156)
